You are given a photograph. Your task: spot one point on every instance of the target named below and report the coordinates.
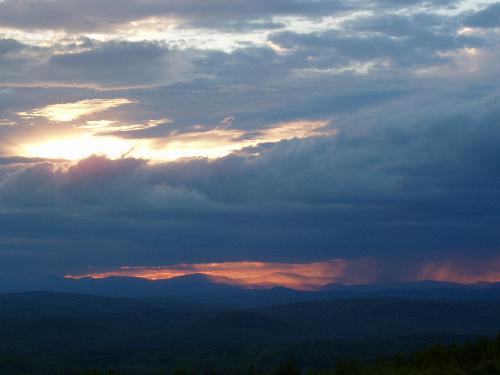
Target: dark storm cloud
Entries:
(386, 164)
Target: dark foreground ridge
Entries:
(57, 333)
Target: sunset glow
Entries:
(309, 276)
(300, 276)
(465, 272)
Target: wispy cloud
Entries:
(7, 122)
(110, 126)
(114, 139)
(223, 140)
(66, 112)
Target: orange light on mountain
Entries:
(300, 276)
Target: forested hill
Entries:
(52, 333)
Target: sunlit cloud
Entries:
(66, 112)
(222, 141)
(7, 122)
(176, 33)
(294, 129)
(76, 148)
(107, 126)
(357, 68)
(98, 124)
(467, 31)
(300, 276)
(105, 139)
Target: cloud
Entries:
(114, 127)
(336, 50)
(321, 37)
(9, 45)
(7, 122)
(462, 271)
(23, 161)
(67, 112)
(374, 43)
(222, 141)
(145, 141)
(488, 17)
(71, 15)
(122, 64)
(93, 64)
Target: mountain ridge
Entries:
(200, 288)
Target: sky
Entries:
(261, 142)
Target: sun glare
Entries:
(208, 143)
(78, 148)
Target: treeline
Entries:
(481, 357)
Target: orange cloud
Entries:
(300, 276)
(464, 272)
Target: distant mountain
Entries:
(195, 288)
(199, 288)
